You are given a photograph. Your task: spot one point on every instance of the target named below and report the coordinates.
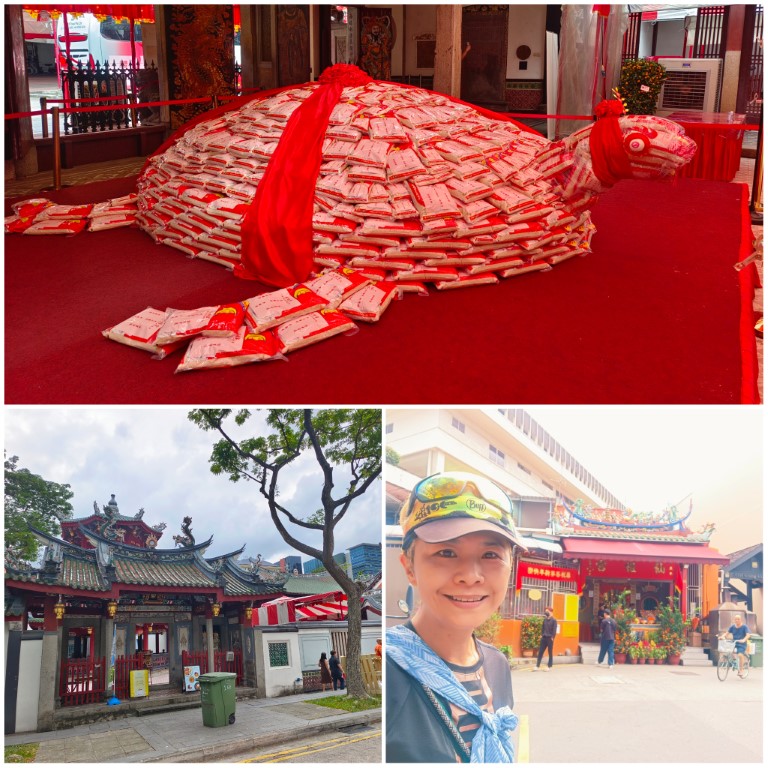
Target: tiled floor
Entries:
(84, 174)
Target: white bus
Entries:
(92, 41)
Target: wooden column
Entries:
(732, 64)
(209, 637)
(448, 50)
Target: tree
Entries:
(348, 439)
(31, 500)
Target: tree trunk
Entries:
(355, 685)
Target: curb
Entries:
(214, 752)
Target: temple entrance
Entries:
(152, 645)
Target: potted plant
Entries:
(672, 629)
(531, 634)
(624, 619)
(634, 653)
(640, 85)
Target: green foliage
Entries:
(31, 500)
(393, 457)
(347, 703)
(488, 631)
(506, 650)
(530, 632)
(624, 619)
(21, 753)
(635, 651)
(636, 76)
(672, 627)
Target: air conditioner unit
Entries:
(692, 85)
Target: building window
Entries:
(278, 654)
(525, 469)
(496, 456)
(390, 428)
(456, 424)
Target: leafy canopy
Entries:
(31, 500)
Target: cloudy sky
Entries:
(653, 456)
(158, 460)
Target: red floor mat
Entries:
(652, 316)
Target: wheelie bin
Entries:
(217, 694)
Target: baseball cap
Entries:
(447, 505)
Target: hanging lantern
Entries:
(149, 628)
(248, 613)
(59, 609)
(112, 608)
(216, 608)
(90, 630)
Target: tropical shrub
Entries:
(531, 632)
(640, 85)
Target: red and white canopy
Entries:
(329, 606)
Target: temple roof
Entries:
(112, 563)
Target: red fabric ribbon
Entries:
(277, 229)
(606, 145)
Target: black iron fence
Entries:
(125, 86)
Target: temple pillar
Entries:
(49, 667)
(448, 50)
(209, 639)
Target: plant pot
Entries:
(674, 659)
(620, 658)
(632, 660)
(640, 660)
(528, 653)
(660, 661)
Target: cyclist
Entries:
(738, 632)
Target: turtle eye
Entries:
(636, 143)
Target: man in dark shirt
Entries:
(336, 671)
(548, 632)
(607, 638)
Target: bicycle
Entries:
(729, 660)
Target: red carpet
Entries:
(652, 316)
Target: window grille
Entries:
(278, 654)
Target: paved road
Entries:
(361, 744)
(582, 713)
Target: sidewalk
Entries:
(179, 737)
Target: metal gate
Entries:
(82, 681)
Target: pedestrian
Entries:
(448, 695)
(548, 632)
(600, 616)
(607, 638)
(325, 670)
(377, 649)
(337, 673)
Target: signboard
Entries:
(139, 679)
(191, 675)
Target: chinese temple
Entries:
(106, 587)
(652, 557)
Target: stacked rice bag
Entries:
(40, 216)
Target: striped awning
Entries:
(330, 606)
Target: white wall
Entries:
(670, 38)
(279, 681)
(30, 661)
(527, 26)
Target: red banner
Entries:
(547, 572)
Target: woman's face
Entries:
(462, 581)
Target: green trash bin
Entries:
(756, 659)
(217, 693)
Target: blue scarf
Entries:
(492, 742)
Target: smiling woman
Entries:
(449, 696)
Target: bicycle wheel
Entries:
(745, 671)
(723, 666)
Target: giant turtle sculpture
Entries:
(402, 183)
